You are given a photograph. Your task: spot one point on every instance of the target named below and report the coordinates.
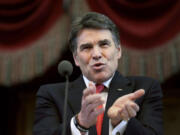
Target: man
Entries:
(127, 106)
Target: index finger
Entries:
(137, 94)
(90, 90)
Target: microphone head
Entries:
(65, 68)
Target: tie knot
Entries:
(99, 88)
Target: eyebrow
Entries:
(104, 41)
(82, 46)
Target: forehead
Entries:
(93, 35)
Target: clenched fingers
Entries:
(91, 107)
(131, 111)
(91, 99)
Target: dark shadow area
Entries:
(171, 90)
(171, 86)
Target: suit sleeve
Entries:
(149, 118)
(48, 118)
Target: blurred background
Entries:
(33, 40)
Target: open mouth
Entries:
(98, 66)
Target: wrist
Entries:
(79, 126)
(115, 122)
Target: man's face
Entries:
(97, 55)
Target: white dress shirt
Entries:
(119, 128)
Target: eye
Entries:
(104, 44)
(85, 47)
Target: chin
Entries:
(101, 78)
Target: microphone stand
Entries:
(65, 105)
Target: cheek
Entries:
(106, 54)
(84, 59)
(110, 56)
(112, 59)
(88, 58)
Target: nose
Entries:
(96, 54)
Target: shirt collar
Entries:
(106, 83)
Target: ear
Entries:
(119, 52)
(75, 57)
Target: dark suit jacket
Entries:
(50, 105)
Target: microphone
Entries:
(65, 69)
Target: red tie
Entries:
(99, 88)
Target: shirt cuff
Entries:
(74, 130)
(121, 127)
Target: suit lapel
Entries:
(119, 86)
(75, 94)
